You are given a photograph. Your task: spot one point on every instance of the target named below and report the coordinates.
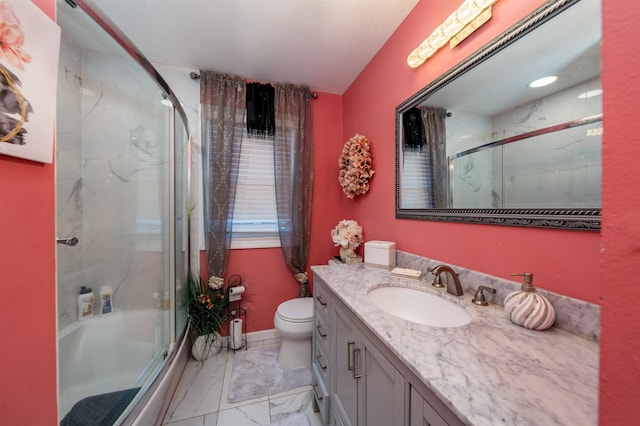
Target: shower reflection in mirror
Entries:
(509, 160)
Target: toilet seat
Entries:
(296, 310)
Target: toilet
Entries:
(294, 322)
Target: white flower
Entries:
(215, 283)
(347, 233)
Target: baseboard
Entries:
(256, 336)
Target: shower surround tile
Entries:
(111, 153)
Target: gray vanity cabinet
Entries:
(345, 392)
(422, 413)
(367, 384)
(321, 344)
(365, 388)
(368, 389)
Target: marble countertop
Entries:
(488, 372)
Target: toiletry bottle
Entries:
(527, 308)
(85, 303)
(105, 296)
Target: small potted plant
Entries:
(207, 311)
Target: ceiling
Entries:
(324, 44)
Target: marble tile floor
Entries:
(201, 400)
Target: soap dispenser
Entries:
(527, 308)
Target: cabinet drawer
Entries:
(320, 394)
(322, 298)
(321, 332)
(321, 363)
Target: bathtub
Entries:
(106, 354)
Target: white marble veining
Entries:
(573, 315)
(201, 397)
(528, 176)
(112, 162)
(488, 372)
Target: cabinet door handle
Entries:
(321, 300)
(319, 358)
(321, 332)
(356, 363)
(315, 391)
(349, 353)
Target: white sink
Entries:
(418, 306)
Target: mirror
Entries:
(479, 145)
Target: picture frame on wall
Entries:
(29, 50)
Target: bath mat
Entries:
(256, 373)
(99, 410)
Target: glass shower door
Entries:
(120, 188)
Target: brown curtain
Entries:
(223, 105)
(293, 159)
(435, 135)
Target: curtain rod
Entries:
(195, 76)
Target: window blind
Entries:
(255, 217)
(416, 181)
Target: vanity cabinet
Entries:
(320, 351)
(367, 384)
(368, 389)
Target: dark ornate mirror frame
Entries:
(587, 219)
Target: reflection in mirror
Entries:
(481, 145)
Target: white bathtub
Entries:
(111, 353)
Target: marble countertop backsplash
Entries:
(572, 315)
(490, 371)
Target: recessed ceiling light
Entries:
(544, 81)
(590, 94)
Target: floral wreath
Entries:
(355, 166)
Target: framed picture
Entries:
(29, 49)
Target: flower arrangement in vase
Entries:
(348, 235)
(207, 311)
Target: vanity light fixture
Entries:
(544, 81)
(458, 26)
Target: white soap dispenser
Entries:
(527, 308)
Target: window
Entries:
(255, 217)
(416, 181)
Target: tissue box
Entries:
(380, 254)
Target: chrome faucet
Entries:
(451, 278)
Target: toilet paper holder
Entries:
(237, 314)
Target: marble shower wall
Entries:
(69, 204)
(112, 181)
(561, 169)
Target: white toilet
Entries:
(294, 322)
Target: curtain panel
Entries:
(293, 159)
(223, 105)
(436, 137)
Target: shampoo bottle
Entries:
(85, 303)
(105, 297)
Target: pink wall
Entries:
(270, 280)
(597, 267)
(620, 259)
(562, 261)
(28, 301)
